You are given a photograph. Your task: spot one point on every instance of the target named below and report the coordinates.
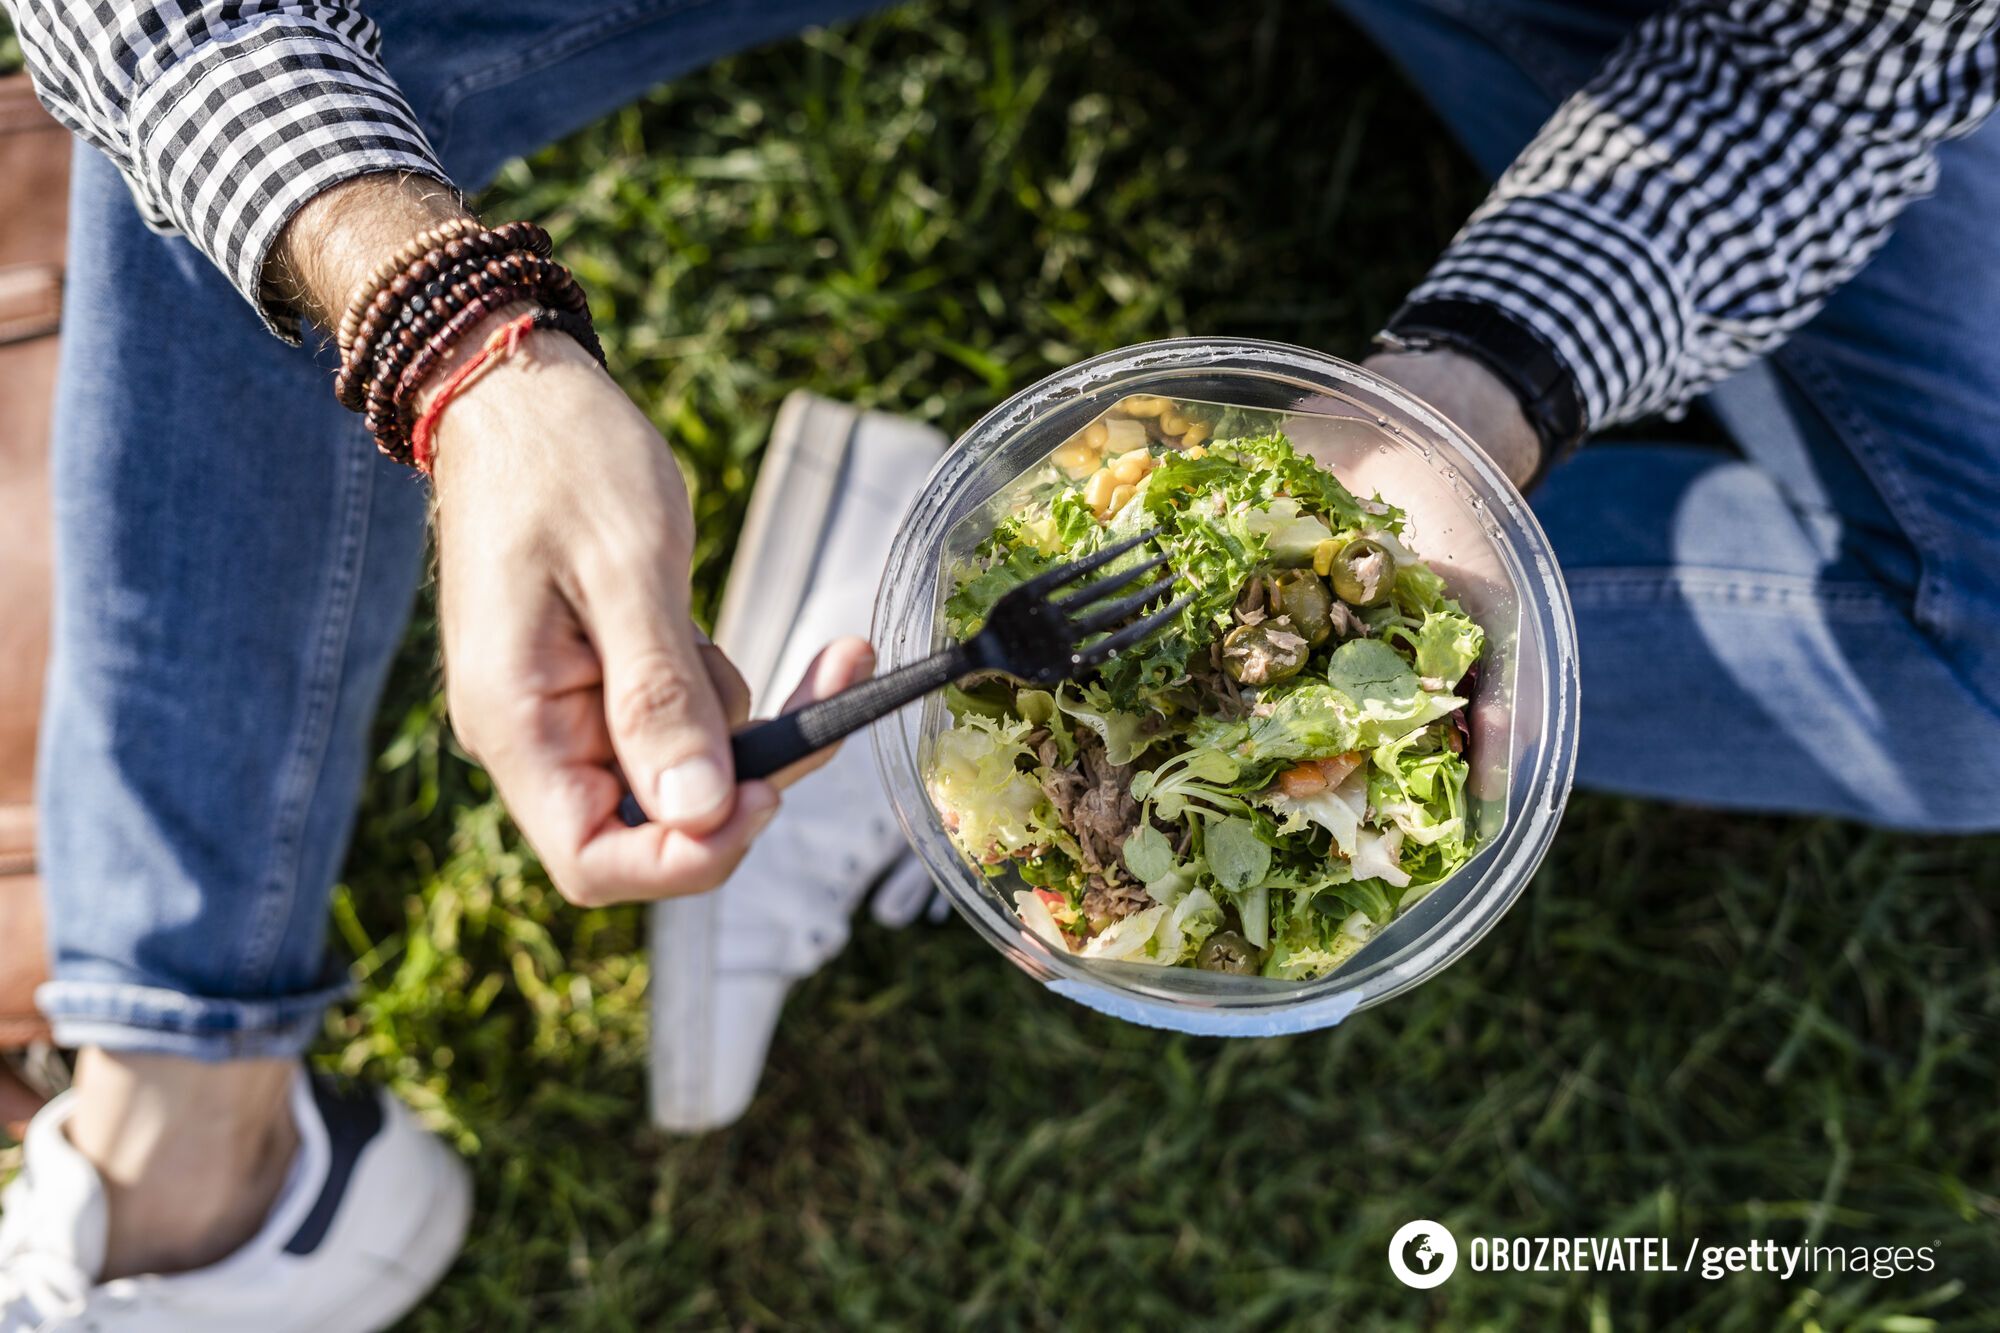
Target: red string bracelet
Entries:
(503, 343)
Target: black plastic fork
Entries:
(1030, 633)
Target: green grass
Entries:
(1691, 1026)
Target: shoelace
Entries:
(37, 1286)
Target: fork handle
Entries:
(763, 748)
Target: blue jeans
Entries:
(236, 564)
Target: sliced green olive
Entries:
(1304, 600)
(1264, 653)
(1227, 951)
(1363, 572)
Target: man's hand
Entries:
(1475, 400)
(564, 535)
(573, 670)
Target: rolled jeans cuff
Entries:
(149, 1020)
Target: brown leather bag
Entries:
(34, 183)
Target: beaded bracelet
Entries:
(389, 416)
(387, 405)
(435, 346)
(420, 303)
(425, 311)
(431, 238)
(545, 279)
(420, 278)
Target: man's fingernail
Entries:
(691, 789)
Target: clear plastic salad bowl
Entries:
(1464, 519)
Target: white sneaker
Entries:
(369, 1219)
(833, 488)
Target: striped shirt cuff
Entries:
(1610, 308)
(233, 139)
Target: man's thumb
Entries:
(667, 723)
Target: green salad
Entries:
(1262, 786)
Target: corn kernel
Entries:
(1132, 467)
(1070, 455)
(1142, 405)
(1323, 554)
(1172, 422)
(1097, 491)
(1120, 495)
(1196, 451)
(1196, 433)
(1096, 435)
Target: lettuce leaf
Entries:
(1279, 469)
(1312, 943)
(1302, 719)
(1006, 568)
(1417, 591)
(1419, 786)
(1387, 695)
(1289, 535)
(1445, 645)
(1125, 735)
(991, 805)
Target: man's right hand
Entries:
(572, 669)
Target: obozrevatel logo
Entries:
(1422, 1254)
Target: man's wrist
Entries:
(1542, 383)
(484, 407)
(334, 241)
(1474, 399)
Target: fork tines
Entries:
(1112, 644)
(1106, 617)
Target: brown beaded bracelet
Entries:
(389, 422)
(388, 407)
(419, 308)
(427, 271)
(545, 279)
(423, 273)
(431, 238)
(421, 302)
